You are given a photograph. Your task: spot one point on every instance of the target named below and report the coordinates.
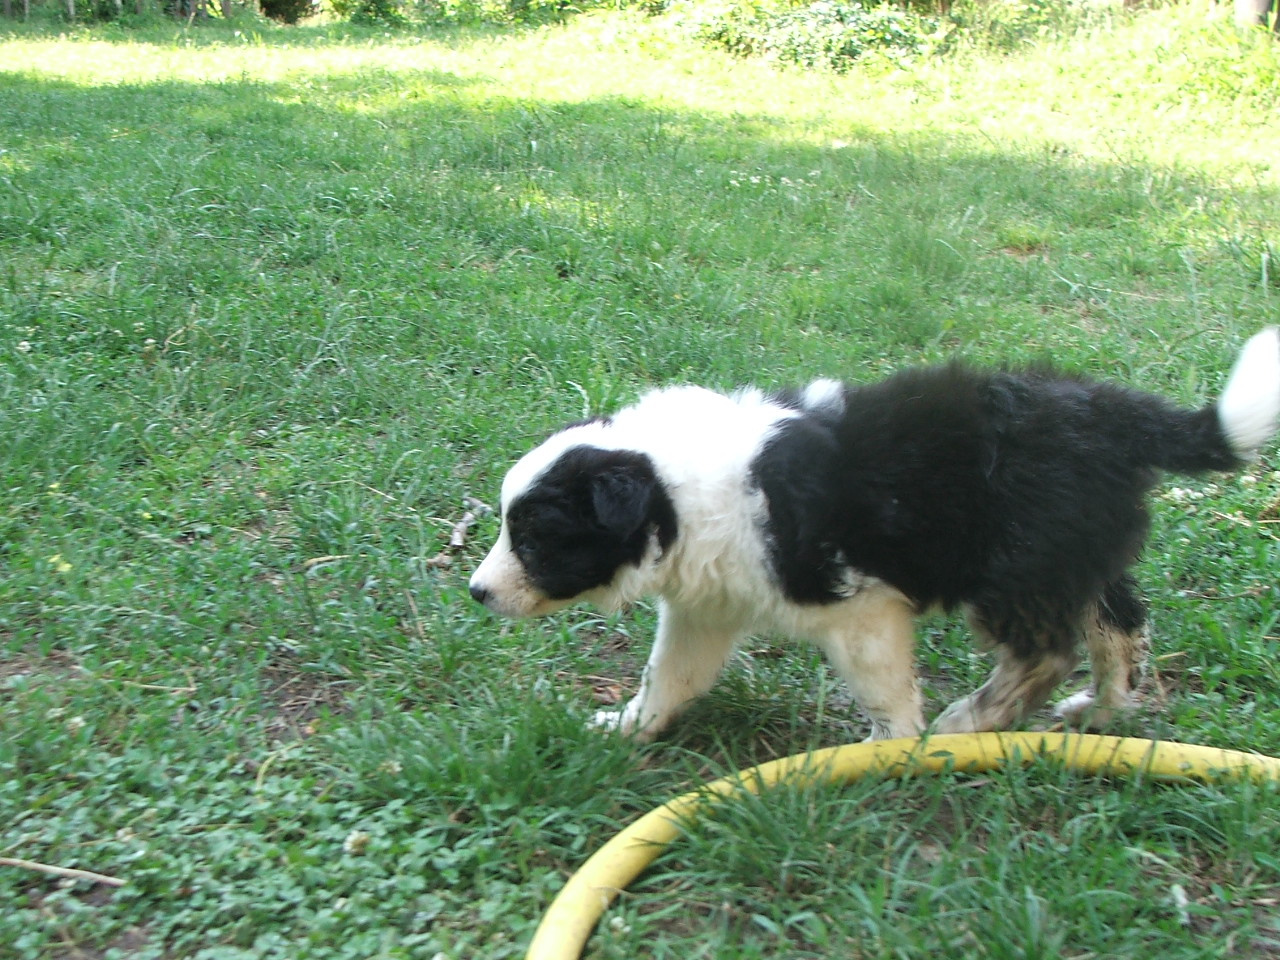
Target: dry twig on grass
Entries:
(67, 872)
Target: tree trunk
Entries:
(71, 10)
(1252, 13)
(8, 8)
(227, 9)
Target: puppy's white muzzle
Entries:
(501, 584)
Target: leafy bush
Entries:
(289, 11)
(455, 11)
(827, 33)
(370, 11)
(1015, 24)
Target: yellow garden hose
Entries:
(573, 914)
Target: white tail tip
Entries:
(1249, 408)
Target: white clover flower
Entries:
(24, 346)
(1181, 903)
(356, 843)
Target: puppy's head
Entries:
(575, 519)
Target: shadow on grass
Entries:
(684, 243)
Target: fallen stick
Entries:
(68, 872)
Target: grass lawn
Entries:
(278, 308)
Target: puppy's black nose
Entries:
(479, 593)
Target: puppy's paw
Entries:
(1073, 709)
(622, 721)
(897, 729)
(962, 716)
(1083, 712)
(608, 720)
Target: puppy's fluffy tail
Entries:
(1249, 407)
(1222, 435)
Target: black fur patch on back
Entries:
(588, 515)
(1011, 492)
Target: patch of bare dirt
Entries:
(128, 943)
(54, 664)
(297, 699)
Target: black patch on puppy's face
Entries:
(588, 515)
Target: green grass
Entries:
(275, 303)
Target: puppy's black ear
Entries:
(622, 496)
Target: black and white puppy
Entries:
(839, 513)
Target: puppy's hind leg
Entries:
(1033, 655)
(872, 647)
(689, 652)
(1118, 640)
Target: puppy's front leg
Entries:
(688, 654)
